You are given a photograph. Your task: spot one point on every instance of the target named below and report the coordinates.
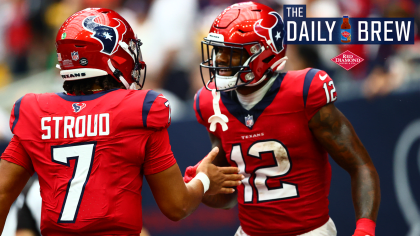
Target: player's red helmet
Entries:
(249, 26)
(96, 42)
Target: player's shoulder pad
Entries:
(318, 85)
(203, 105)
(17, 109)
(156, 111)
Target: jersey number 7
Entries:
(263, 173)
(83, 153)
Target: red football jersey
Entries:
(90, 153)
(287, 173)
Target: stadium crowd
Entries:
(172, 31)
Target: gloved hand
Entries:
(190, 172)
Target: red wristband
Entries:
(366, 225)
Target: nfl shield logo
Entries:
(249, 121)
(75, 56)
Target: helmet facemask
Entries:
(242, 73)
(133, 49)
(138, 63)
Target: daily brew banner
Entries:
(346, 30)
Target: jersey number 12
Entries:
(261, 174)
(330, 94)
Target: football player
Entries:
(278, 129)
(92, 145)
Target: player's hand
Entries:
(359, 232)
(191, 172)
(222, 179)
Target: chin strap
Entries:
(218, 117)
(275, 68)
(282, 63)
(124, 46)
(118, 74)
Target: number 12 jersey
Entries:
(287, 173)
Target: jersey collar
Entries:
(82, 98)
(230, 100)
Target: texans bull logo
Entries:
(78, 106)
(107, 35)
(274, 35)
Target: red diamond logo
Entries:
(345, 34)
(347, 60)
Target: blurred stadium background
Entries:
(380, 96)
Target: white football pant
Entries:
(328, 229)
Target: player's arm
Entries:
(336, 134)
(202, 100)
(224, 201)
(177, 200)
(12, 180)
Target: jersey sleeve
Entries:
(318, 91)
(15, 153)
(197, 109)
(156, 112)
(14, 116)
(159, 156)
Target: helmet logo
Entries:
(273, 35)
(108, 36)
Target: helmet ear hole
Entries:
(268, 59)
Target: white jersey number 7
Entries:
(83, 153)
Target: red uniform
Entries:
(287, 173)
(90, 153)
